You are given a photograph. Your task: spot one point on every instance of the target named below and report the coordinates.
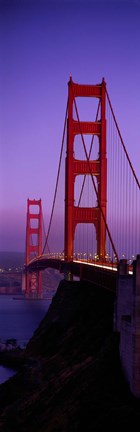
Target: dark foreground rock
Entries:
(70, 378)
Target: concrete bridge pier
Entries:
(127, 322)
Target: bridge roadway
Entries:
(101, 274)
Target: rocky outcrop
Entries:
(70, 379)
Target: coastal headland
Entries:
(69, 377)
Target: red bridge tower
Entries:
(33, 229)
(98, 168)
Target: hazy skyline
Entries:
(42, 43)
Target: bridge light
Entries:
(106, 256)
(90, 257)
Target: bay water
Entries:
(19, 318)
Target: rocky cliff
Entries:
(71, 379)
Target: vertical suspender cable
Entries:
(134, 174)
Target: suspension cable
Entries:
(56, 186)
(133, 171)
(45, 232)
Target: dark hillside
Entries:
(72, 379)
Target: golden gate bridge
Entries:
(94, 221)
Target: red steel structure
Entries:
(33, 229)
(98, 168)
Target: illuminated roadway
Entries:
(100, 273)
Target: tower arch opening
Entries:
(91, 144)
(84, 192)
(87, 108)
(85, 242)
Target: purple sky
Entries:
(42, 43)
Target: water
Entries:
(5, 374)
(19, 318)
